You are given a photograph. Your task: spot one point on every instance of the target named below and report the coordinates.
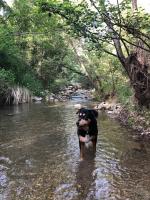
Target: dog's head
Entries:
(86, 116)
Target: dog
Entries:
(87, 129)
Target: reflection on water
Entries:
(39, 158)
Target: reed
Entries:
(17, 95)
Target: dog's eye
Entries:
(80, 114)
(83, 114)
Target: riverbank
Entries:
(137, 120)
(67, 93)
(19, 95)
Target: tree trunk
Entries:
(134, 5)
(138, 74)
(138, 68)
(140, 80)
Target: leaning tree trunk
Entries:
(138, 69)
(138, 74)
(139, 78)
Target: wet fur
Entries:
(87, 123)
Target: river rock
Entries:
(68, 93)
(35, 98)
(50, 97)
(110, 108)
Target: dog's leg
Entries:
(81, 145)
(94, 141)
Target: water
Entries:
(39, 158)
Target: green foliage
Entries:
(7, 79)
(4, 86)
(33, 49)
(57, 85)
(32, 83)
(7, 76)
(84, 81)
(113, 29)
(124, 93)
(107, 77)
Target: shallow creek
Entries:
(39, 157)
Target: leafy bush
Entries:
(3, 88)
(124, 93)
(7, 79)
(85, 82)
(7, 76)
(32, 83)
(57, 85)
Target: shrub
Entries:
(124, 93)
(57, 85)
(32, 83)
(7, 76)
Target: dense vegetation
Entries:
(108, 27)
(47, 44)
(34, 51)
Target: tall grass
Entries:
(17, 95)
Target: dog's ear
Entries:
(80, 110)
(95, 113)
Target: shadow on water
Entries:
(39, 157)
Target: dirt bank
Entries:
(139, 121)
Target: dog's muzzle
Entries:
(83, 122)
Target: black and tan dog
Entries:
(87, 128)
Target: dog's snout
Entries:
(83, 122)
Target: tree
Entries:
(104, 24)
(37, 44)
(134, 5)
